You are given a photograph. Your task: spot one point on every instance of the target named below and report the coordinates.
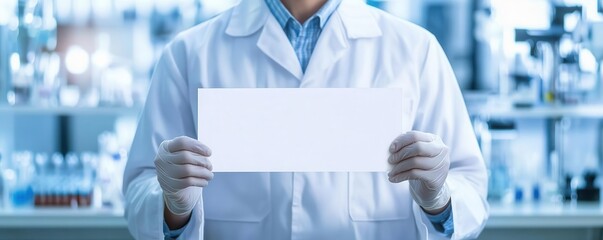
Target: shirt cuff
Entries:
(443, 222)
(173, 234)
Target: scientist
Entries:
(435, 190)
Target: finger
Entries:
(413, 174)
(184, 171)
(196, 182)
(422, 163)
(193, 182)
(186, 157)
(422, 149)
(184, 143)
(179, 184)
(176, 185)
(409, 138)
(172, 184)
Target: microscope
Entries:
(545, 46)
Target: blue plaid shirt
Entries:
(303, 37)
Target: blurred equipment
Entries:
(545, 46)
(33, 67)
(554, 68)
(42, 182)
(526, 88)
(451, 23)
(111, 165)
(18, 178)
(496, 145)
(594, 43)
(589, 192)
(63, 181)
(8, 36)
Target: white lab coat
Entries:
(359, 47)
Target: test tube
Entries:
(55, 180)
(40, 183)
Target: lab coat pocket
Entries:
(240, 197)
(373, 198)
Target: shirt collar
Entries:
(283, 15)
(249, 16)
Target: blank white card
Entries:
(300, 129)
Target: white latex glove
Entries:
(182, 170)
(421, 158)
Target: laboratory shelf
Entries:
(69, 111)
(62, 218)
(577, 111)
(534, 215)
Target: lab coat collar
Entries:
(274, 43)
(358, 20)
(250, 15)
(247, 17)
(350, 21)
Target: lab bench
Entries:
(536, 221)
(63, 223)
(516, 221)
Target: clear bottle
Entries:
(40, 185)
(85, 190)
(55, 180)
(500, 138)
(22, 193)
(72, 179)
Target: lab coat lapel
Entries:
(350, 21)
(331, 45)
(252, 15)
(274, 43)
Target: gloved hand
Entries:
(182, 170)
(421, 158)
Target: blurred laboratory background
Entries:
(74, 75)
